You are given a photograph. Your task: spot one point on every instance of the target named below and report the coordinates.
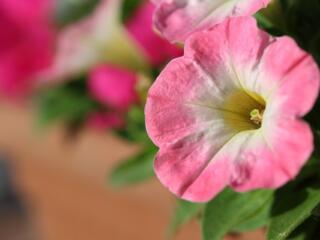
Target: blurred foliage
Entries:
(135, 169)
(68, 11)
(139, 167)
(128, 8)
(135, 130)
(69, 102)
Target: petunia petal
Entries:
(230, 53)
(275, 156)
(181, 101)
(292, 76)
(177, 19)
(248, 160)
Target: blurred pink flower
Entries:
(104, 121)
(157, 49)
(177, 19)
(228, 112)
(113, 86)
(98, 38)
(26, 40)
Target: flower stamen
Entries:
(256, 116)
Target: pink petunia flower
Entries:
(26, 40)
(140, 27)
(227, 112)
(113, 86)
(177, 19)
(98, 38)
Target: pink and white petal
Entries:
(98, 38)
(177, 19)
(231, 165)
(79, 44)
(293, 78)
(188, 168)
(236, 47)
(255, 159)
(182, 101)
(196, 169)
(283, 148)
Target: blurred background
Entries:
(73, 80)
(75, 159)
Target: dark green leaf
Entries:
(291, 210)
(128, 8)
(294, 202)
(296, 18)
(134, 170)
(309, 230)
(229, 209)
(184, 212)
(271, 18)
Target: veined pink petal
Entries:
(288, 68)
(225, 115)
(274, 157)
(113, 86)
(177, 19)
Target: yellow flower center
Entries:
(243, 110)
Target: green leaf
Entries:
(63, 105)
(258, 219)
(296, 18)
(128, 8)
(68, 11)
(69, 103)
(294, 202)
(291, 210)
(134, 170)
(135, 130)
(184, 212)
(271, 18)
(309, 230)
(229, 209)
